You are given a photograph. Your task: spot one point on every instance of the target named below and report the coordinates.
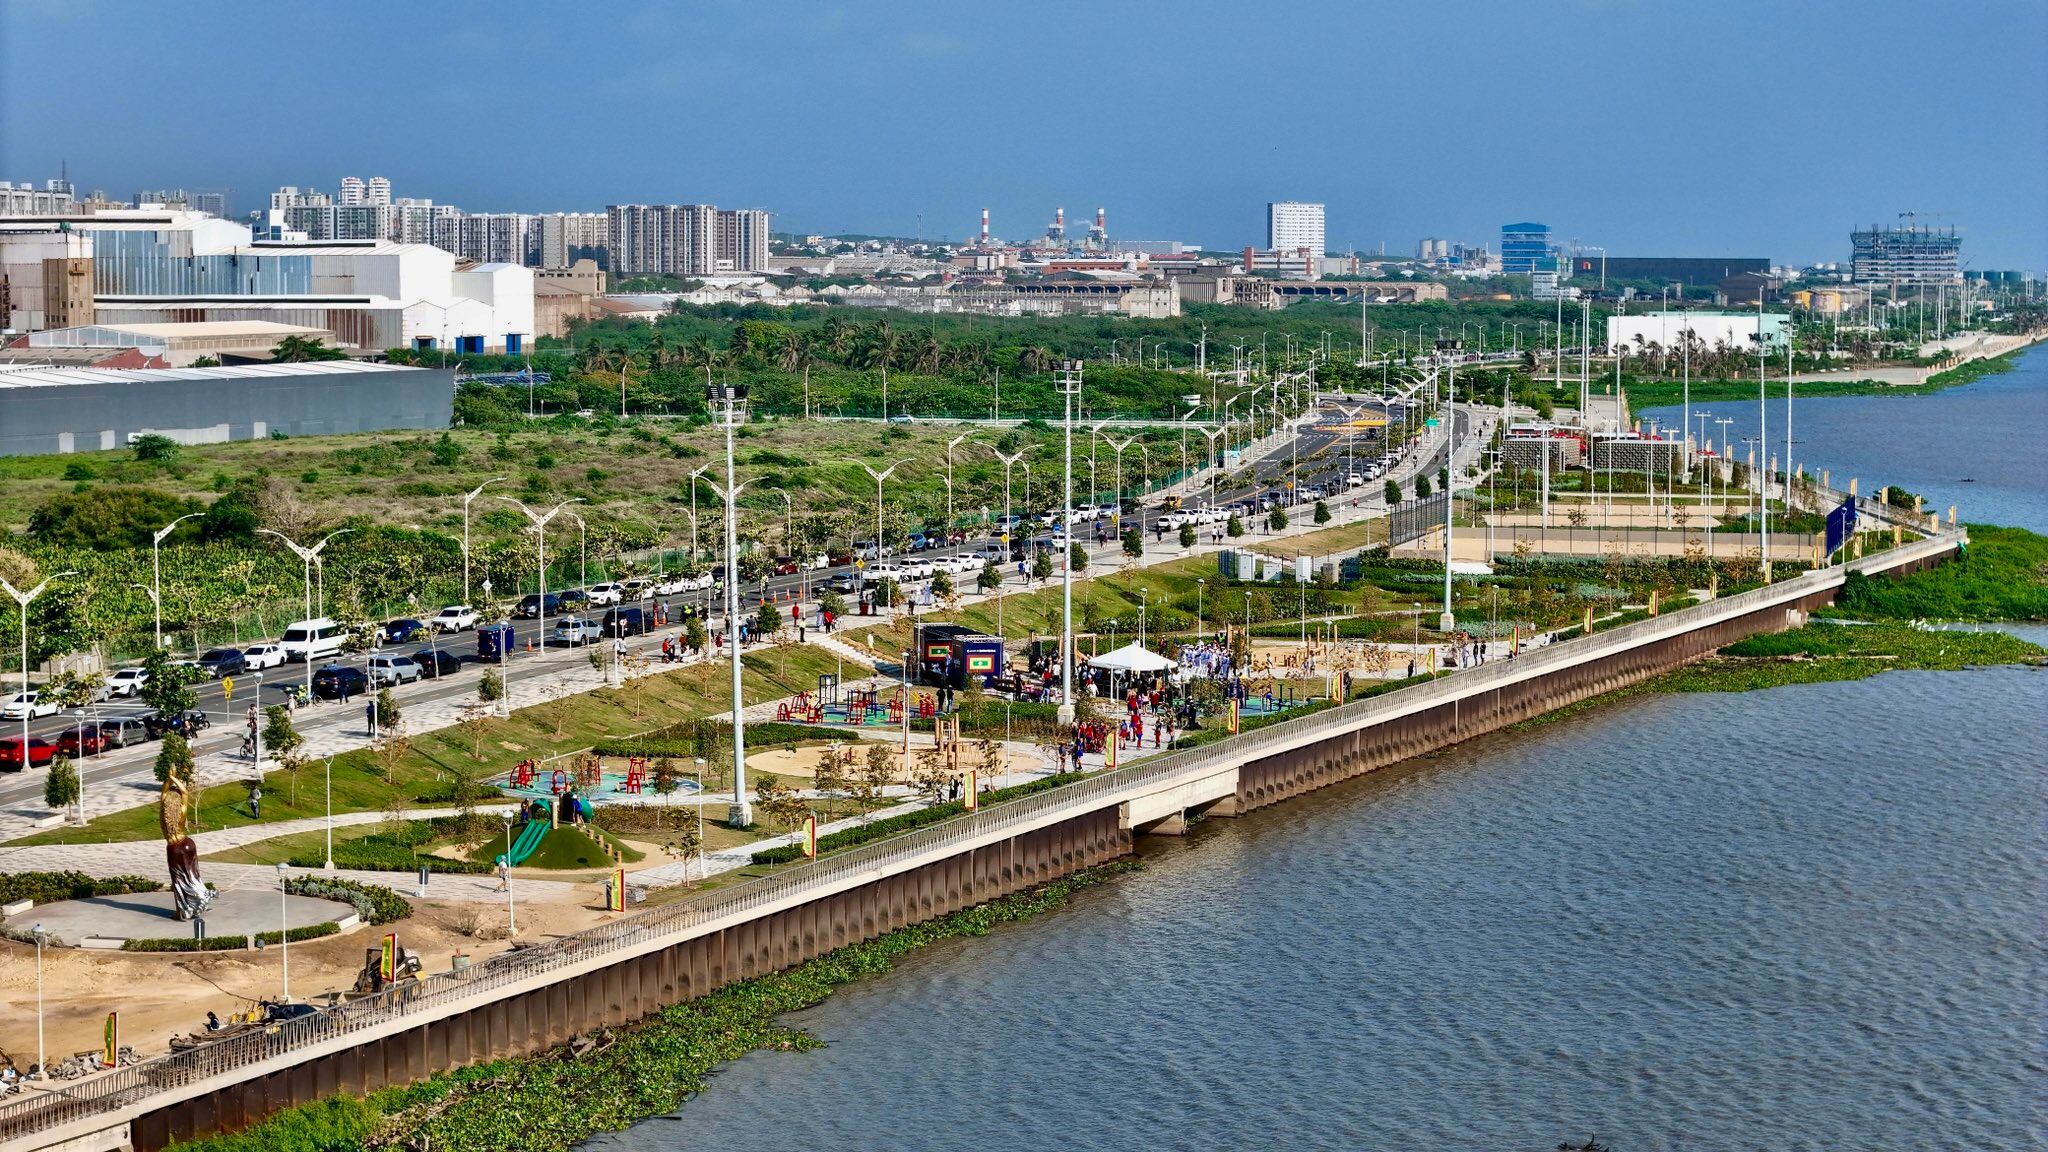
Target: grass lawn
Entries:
(422, 770)
(285, 847)
(1329, 541)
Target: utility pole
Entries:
(728, 404)
(1069, 383)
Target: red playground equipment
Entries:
(559, 782)
(522, 774)
(636, 774)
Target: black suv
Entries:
(219, 662)
(331, 682)
(532, 606)
(436, 662)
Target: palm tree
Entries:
(299, 349)
(838, 338)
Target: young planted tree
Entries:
(1322, 512)
(1234, 527)
(1277, 519)
(835, 770)
(388, 714)
(767, 622)
(60, 788)
(930, 776)
(491, 688)
(993, 758)
(779, 803)
(1393, 492)
(875, 773)
(1422, 487)
(1187, 536)
(990, 578)
(1134, 544)
(1041, 565)
(942, 586)
(174, 757)
(167, 688)
(1077, 557)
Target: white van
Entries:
(312, 639)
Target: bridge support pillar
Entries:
(1174, 825)
(1227, 807)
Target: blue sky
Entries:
(1649, 128)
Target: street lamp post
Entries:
(582, 550)
(473, 494)
(511, 913)
(156, 571)
(1069, 383)
(539, 523)
(42, 1050)
(284, 934)
(1200, 584)
(307, 556)
(950, 445)
(24, 599)
(728, 403)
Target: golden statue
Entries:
(181, 855)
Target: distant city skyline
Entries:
(1741, 129)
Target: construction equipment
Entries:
(370, 981)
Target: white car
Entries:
(876, 573)
(27, 706)
(638, 588)
(454, 618)
(127, 682)
(261, 656)
(669, 585)
(607, 593)
(917, 569)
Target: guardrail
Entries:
(122, 1087)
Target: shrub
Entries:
(60, 787)
(374, 903)
(229, 943)
(50, 887)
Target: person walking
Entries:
(370, 717)
(255, 800)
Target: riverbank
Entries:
(1663, 393)
(609, 1079)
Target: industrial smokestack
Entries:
(1098, 221)
(1059, 217)
(984, 225)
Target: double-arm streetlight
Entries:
(307, 556)
(950, 445)
(24, 599)
(728, 403)
(473, 494)
(878, 477)
(1069, 384)
(156, 571)
(539, 522)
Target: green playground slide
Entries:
(529, 840)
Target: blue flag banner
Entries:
(1841, 523)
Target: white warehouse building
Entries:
(1709, 329)
(158, 267)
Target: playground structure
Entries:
(586, 775)
(857, 707)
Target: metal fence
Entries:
(451, 991)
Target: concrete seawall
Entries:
(528, 1001)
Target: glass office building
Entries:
(1525, 248)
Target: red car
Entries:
(40, 753)
(82, 740)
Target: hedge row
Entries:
(681, 741)
(372, 854)
(229, 943)
(876, 830)
(373, 902)
(50, 887)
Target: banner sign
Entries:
(1841, 525)
(810, 836)
(110, 1053)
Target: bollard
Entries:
(423, 882)
(199, 927)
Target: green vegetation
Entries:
(2002, 575)
(374, 903)
(1832, 651)
(50, 887)
(431, 767)
(229, 943)
(564, 848)
(647, 1068)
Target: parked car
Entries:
(455, 618)
(387, 669)
(533, 605)
(625, 622)
(219, 662)
(81, 740)
(123, 731)
(638, 588)
(669, 585)
(335, 680)
(27, 706)
(436, 662)
(186, 724)
(261, 656)
(601, 594)
(39, 753)
(575, 630)
(127, 681)
(402, 630)
(784, 566)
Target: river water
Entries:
(1978, 447)
(1805, 918)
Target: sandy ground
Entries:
(161, 995)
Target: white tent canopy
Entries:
(1132, 658)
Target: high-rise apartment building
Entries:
(683, 239)
(566, 237)
(1909, 255)
(742, 240)
(1294, 226)
(1525, 249)
(351, 190)
(378, 191)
